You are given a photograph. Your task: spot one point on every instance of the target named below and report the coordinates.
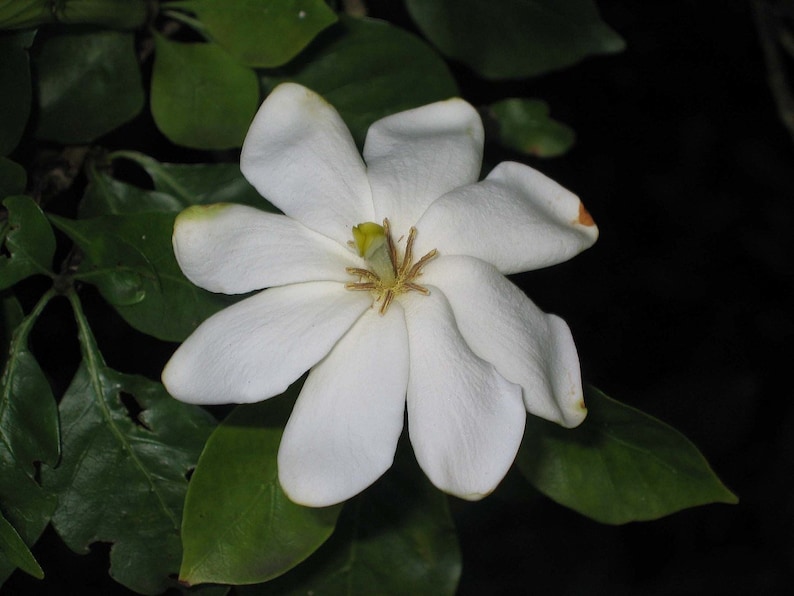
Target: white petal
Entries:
(344, 429)
(516, 219)
(416, 156)
(503, 326)
(254, 349)
(235, 249)
(465, 420)
(301, 157)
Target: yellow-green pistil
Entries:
(388, 275)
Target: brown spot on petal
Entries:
(585, 218)
(582, 406)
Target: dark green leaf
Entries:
(515, 38)
(131, 260)
(88, 84)
(23, 13)
(395, 538)
(24, 503)
(28, 415)
(12, 177)
(127, 447)
(619, 466)
(524, 125)
(15, 552)
(239, 527)
(111, 262)
(368, 69)
(16, 92)
(28, 239)
(117, 14)
(28, 433)
(107, 196)
(199, 184)
(201, 96)
(262, 33)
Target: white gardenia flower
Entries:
(385, 277)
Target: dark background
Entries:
(682, 309)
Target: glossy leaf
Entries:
(395, 538)
(28, 433)
(620, 465)
(239, 527)
(261, 33)
(29, 241)
(25, 505)
(131, 260)
(107, 196)
(127, 447)
(28, 414)
(12, 177)
(515, 38)
(112, 263)
(199, 184)
(524, 125)
(88, 84)
(15, 552)
(15, 97)
(201, 97)
(369, 69)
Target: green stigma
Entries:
(368, 237)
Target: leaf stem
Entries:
(94, 363)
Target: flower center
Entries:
(388, 274)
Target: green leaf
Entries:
(29, 241)
(24, 504)
(28, 414)
(107, 196)
(117, 14)
(261, 33)
(131, 260)
(111, 262)
(15, 97)
(239, 527)
(515, 38)
(12, 177)
(89, 84)
(22, 13)
(524, 125)
(16, 552)
(28, 433)
(127, 447)
(369, 69)
(396, 538)
(199, 184)
(201, 96)
(619, 466)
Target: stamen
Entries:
(387, 298)
(362, 273)
(391, 247)
(389, 278)
(416, 269)
(367, 285)
(409, 250)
